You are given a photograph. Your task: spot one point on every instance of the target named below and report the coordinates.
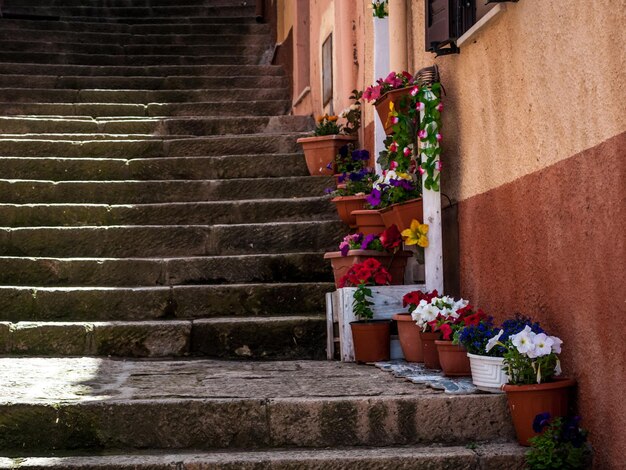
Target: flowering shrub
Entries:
(389, 240)
(530, 357)
(327, 125)
(393, 188)
(368, 273)
(380, 8)
(431, 315)
(393, 81)
(560, 446)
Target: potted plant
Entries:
(429, 314)
(397, 196)
(532, 363)
(388, 94)
(384, 247)
(560, 446)
(380, 9)
(408, 331)
(370, 337)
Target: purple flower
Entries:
(343, 151)
(344, 247)
(402, 183)
(328, 190)
(367, 240)
(374, 198)
(330, 165)
(341, 178)
(360, 155)
(541, 421)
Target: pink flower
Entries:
(422, 134)
(406, 151)
(439, 137)
(393, 165)
(415, 90)
(390, 78)
(393, 147)
(439, 107)
(375, 94)
(420, 106)
(394, 120)
(438, 165)
(421, 170)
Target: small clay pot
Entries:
(409, 335)
(371, 338)
(453, 359)
(403, 214)
(429, 349)
(395, 266)
(319, 151)
(346, 205)
(369, 221)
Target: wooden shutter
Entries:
(440, 26)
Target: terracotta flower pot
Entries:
(402, 214)
(527, 401)
(346, 205)
(382, 106)
(371, 340)
(409, 334)
(369, 221)
(320, 151)
(395, 266)
(429, 349)
(453, 359)
(487, 373)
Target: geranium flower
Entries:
(391, 238)
(406, 151)
(393, 164)
(393, 147)
(415, 90)
(420, 106)
(422, 134)
(416, 234)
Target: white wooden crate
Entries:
(387, 302)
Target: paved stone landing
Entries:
(418, 374)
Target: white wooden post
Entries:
(381, 69)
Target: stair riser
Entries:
(242, 166)
(111, 13)
(142, 83)
(173, 214)
(254, 108)
(321, 422)
(150, 192)
(180, 302)
(149, 148)
(126, 60)
(288, 338)
(170, 241)
(296, 267)
(26, 95)
(123, 3)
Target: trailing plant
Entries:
(393, 188)
(352, 114)
(362, 275)
(380, 9)
(327, 125)
(560, 446)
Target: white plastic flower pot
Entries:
(487, 373)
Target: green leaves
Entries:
(361, 305)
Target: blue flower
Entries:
(541, 421)
(330, 165)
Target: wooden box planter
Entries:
(346, 205)
(369, 221)
(402, 214)
(320, 150)
(382, 106)
(395, 266)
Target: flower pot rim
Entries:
(447, 342)
(370, 322)
(402, 316)
(388, 208)
(365, 211)
(489, 358)
(387, 93)
(557, 383)
(371, 253)
(316, 138)
(353, 197)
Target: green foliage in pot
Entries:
(561, 445)
(362, 275)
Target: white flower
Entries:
(493, 341)
(557, 368)
(523, 340)
(542, 346)
(556, 344)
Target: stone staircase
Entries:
(156, 209)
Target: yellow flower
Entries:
(391, 107)
(416, 235)
(404, 176)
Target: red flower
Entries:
(371, 263)
(362, 273)
(391, 238)
(407, 75)
(446, 330)
(382, 277)
(412, 298)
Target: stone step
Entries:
(142, 83)
(162, 168)
(126, 3)
(126, 60)
(172, 241)
(165, 191)
(124, 272)
(103, 304)
(179, 213)
(132, 40)
(206, 404)
(96, 147)
(36, 95)
(196, 126)
(292, 337)
(138, 29)
(36, 45)
(214, 109)
(109, 13)
(482, 457)
(140, 71)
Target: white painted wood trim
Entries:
(381, 69)
(499, 8)
(330, 331)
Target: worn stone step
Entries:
(37, 95)
(118, 28)
(110, 13)
(178, 213)
(165, 191)
(145, 20)
(289, 337)
(126, 3)
(214, 109)
(140, 71)
(153, 240)
(113, 272)
(207, 404)
(28, 146)
(127, 60)
(162, 168)
(62, 304)
(36, 45)
(142, 83)
(196, 126)
(482, 457)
